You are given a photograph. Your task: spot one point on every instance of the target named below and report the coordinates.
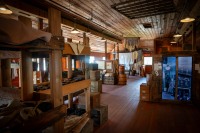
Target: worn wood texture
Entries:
(70, 88)
(126, 114)
(55, 60)
(26, 75)
(44, 120)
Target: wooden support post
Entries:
(55, 63)
(26, 76)
(114, 54)
(105, 52)
(118, 51)
(87, 74)
(194, 36)
(87, 99)
(6, 72)
(26, 68)
(0, 75)
(69, 60)
(84, 39)
(70, 100)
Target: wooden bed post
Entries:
(26, 68)
(55, 64)
(6, 72)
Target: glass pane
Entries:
(184, 78)
(169, 77)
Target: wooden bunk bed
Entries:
(40, 45)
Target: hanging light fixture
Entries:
(177, 35)
(75, 31)
(4, 9)
(187, 20)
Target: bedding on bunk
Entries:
(16, 33)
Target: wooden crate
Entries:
(144, 88)
(95, 75)
(144, 92)
(94, 99)
(144, 97)
(100, 114)
(96, 86)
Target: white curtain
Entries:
(126, 59)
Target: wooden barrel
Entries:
(122, 79)
(121, 69)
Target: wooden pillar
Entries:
(87, 74)
(69, 60)
(0, 75)
(118, 51)
(26, 76)
(6, 72)
(87, 99)
(55, 63)
(70, 100)
(84, 39)
(194, 36)
(105, 52)
(114, 55)
(26, 68)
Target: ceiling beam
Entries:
(67, 17)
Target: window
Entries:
(103, 58)
(91, 59)
(147, 60)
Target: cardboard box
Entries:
(95, 75)
(144, 97)
(144, 88)
(96, 86)
(94, 99)
(99, 114)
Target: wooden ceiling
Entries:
(101, 16)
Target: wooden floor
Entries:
(127, 114)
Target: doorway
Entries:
(170, 77)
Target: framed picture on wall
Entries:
(109, 66)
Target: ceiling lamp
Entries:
(4, 9)
(177, 35)
(102, 39)
(173, 42)
(187, 20)
(75, 31)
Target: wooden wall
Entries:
(147, 44)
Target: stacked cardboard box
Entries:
(144, 92)
(96, 83)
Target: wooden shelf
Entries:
(70, 88)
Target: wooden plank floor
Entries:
(127, 114)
